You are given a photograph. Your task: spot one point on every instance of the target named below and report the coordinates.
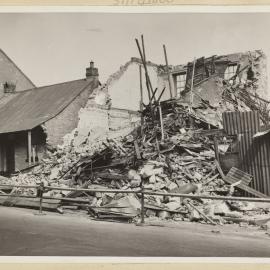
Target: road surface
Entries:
(24, 233)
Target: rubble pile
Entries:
(172, 157)
(168, 153)
(241, 92)
(242, 96)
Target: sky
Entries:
(57, 47)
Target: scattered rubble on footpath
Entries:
(183, 162)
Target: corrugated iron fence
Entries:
(254, 153)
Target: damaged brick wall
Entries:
(124, 85)
(164, 82)
(98, 122)
(256, 62)
(119, 119)
(66, 121)
(217, 67)
(93, 123)
(259, 67)
(89, 116)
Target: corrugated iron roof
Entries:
(30, 108)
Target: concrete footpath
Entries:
(22, 233)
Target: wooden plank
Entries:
(145, 68)
(158, 208)
(161, 122)
(111, 176)
(210, 132)
(206, 218)
(210, 179)
(168, 72)
(216, 148)
(137, 150)
(48, 204)
(141, 88)
(142, 54)
(76, 193)
(191, 87)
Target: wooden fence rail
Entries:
(141, 191)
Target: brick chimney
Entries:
(91, 72)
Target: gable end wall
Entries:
(66, 121)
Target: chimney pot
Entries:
(91, 71)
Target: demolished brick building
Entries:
(176, 149)
(234, 82)
(210, 73)
(35, 119)
(82, 107)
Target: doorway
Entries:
(10, 155)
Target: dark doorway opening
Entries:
(10, 155)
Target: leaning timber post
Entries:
(161, 121)
(191, 93)
(141, 88)
(141, 101)
(168, 71)
(148, 82)
(29, 147)
(192, 84)
(142, 203)
(40, 204)
(40, 191)
(145, 66)
(216, 148)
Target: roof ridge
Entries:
(40, 106)
(13, 63)
(50, 85)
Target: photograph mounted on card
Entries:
(135, 134)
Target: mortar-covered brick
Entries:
(66, 121)
(93, 124)
(98, 122)
(124, 85)
(120, 119)
(260, 70)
